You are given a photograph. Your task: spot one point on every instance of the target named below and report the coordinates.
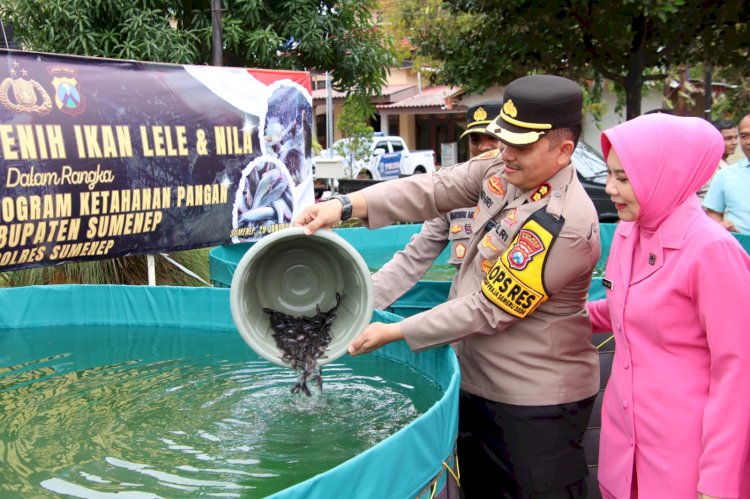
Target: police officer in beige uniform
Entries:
(409, 265)
(529, 371)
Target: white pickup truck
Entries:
(389, 159)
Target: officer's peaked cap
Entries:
(479, 116)
(534, 105)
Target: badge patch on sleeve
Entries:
(515, 282)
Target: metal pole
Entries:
(5, 37)
(217, 54)
(329, 115)
(708, 92)
(151, 264)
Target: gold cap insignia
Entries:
(510, 109)
(480, 114)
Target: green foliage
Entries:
(339, 36)
(316, 35)
(734, 104)
(128, 270)
(478, 43)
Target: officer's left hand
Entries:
(375, 336)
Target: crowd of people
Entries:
(676, 412)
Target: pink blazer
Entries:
(677, 404)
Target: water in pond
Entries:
(141, 413)
(439, 271)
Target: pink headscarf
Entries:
(666, 158)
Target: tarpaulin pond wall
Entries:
(416, 461)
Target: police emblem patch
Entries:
(515, 283)
(455, 229)
(467, 228)
(527, 245)
(460, 249)
(495, 185)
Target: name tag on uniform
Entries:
(607, 284)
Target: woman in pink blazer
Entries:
(676, 414)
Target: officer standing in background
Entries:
(409, 265)
(529, 372)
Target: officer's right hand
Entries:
(320, 216)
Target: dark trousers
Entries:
(519, 452)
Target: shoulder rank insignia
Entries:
(541, 192)
(495, 185)
(489, 154)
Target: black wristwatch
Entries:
(346, 206)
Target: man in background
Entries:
(727, 200)
(728, 130)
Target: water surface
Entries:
(141, 413)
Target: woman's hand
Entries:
(375, 336)
(727, 224)
(704, 496)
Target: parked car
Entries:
(592, 172)
(389, 158)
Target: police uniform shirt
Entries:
(517, 343)
(409, 265)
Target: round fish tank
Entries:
(136, 391)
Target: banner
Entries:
(105, 158)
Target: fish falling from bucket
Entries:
(302, 341)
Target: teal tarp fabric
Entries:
(377, 247)
(403, 465)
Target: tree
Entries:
(322, 35)
(316, 35)
(478, 43)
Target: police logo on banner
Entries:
(68, 97)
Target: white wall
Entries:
(592, 129)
